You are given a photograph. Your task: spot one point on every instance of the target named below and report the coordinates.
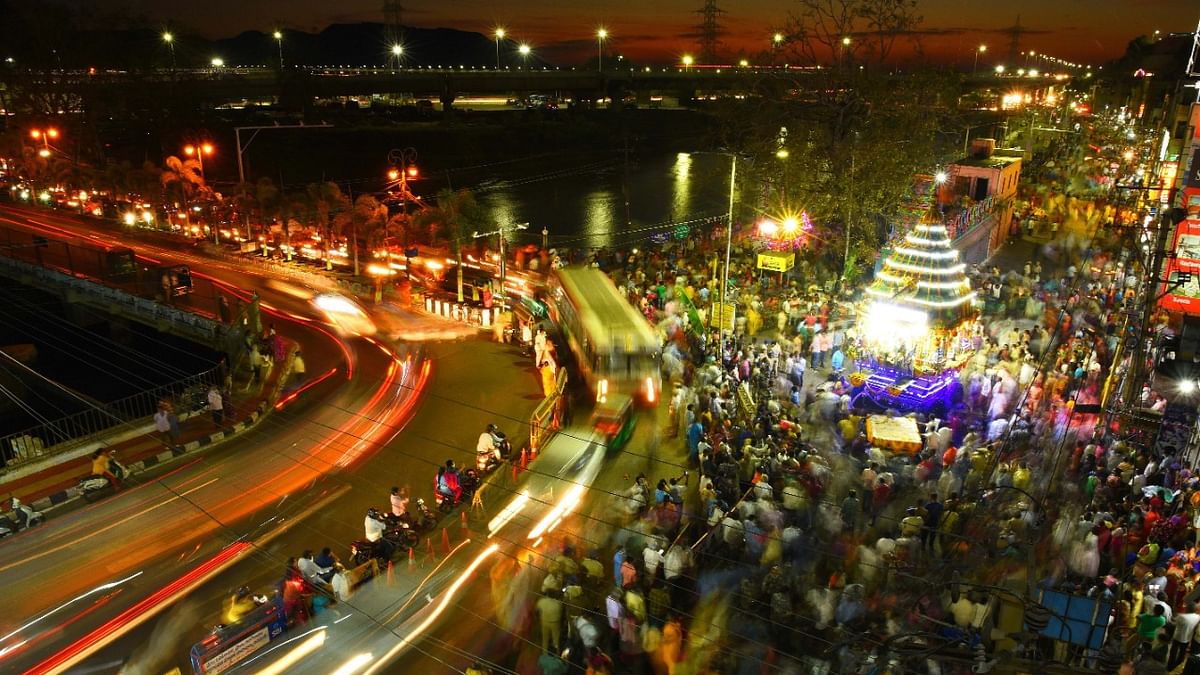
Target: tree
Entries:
(183, 177)
(856, 135)
(324, 201)
(366, 215)
(455, 217)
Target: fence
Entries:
(548, 416)
(62, 435)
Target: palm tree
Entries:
(367, 214)
(456, 216)
(325, 200)
(184, 176)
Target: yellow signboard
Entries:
(775, 261)
(722, 315)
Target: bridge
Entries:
(298, 87)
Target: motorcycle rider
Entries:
(102, 466)
(454, 480)
(374, 527)
(239, 605)
(488, 446)
(442, 485)
(399, 499)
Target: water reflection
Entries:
(600, 217)
(588, 207)
(682, 201)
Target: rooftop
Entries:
(1001, 158)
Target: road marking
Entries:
(75, 542)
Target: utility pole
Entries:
(503, 231)
(241, 149)
(1167, 221)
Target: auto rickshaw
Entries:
(613, 417)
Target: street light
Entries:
(846, 41)
(524, 50)
(981, 49)
(199, 152)
(601, 36)
(397, 51)
(217, 62)
(170, 40)
(1000, 69)
(777, 39)
(687, 61)
(499, 36)
(279, 40)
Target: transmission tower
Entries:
(709, 31)
(1014, 40)
(393, 29)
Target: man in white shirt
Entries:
(1185, 629)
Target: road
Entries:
(284, 487)
(175, 520)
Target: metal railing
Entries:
(547, 417)
(64, 434)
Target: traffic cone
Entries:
(446, 540)
(412, 558)
(389, 573)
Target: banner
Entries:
(776, 261)
(723, 317)
(1185, 298)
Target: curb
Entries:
(63, 497)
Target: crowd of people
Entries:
(802, 541)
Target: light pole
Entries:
(199, 151)
(978, 50)
(170, 40)
(44, 135)
(687, 61)
(525, 50)
(278, 35)
(728, 248)
(503, 232)
(499, 34)
(397, 52)
(601, 36)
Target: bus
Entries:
(614, 346)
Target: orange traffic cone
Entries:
(446, 540)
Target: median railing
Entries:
(548, 416)
(67, 433)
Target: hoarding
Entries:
(1186, 297)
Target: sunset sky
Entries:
(1089, 31)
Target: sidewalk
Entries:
(55, 485)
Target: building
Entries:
(978, 198)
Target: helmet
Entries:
(492, 428)
(373, 513)
(420, 501)
(243, 591)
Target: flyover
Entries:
(298, 87)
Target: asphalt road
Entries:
(174, 521)
(302, 480)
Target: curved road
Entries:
(75, 576)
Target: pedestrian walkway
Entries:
(139, 447)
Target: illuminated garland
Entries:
(925, 273)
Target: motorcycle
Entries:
(468, 482)
(399, 531)
(23, 518)
(424, 520)
(362, 551)
(96, 486)
(492, 442)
